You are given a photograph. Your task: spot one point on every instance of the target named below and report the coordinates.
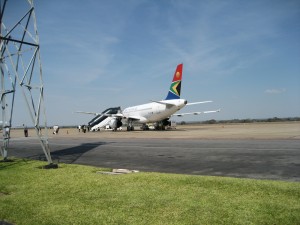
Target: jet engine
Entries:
(162, 124)
(115, 123)
(166, 122)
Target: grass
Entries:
(75, 194)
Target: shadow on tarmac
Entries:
(69, 155)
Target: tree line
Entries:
(274, 119)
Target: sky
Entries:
(96, 54)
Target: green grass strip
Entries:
(74, 194)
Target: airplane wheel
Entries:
(132, 128)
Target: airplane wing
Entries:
(196, 113)
(104, 114)
(112, 115)
(93, 113)
(134, 118)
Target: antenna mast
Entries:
(20, 66)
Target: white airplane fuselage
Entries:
(154, 111)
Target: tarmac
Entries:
(257, 150)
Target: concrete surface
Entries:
(260, 151)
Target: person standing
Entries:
(25, 131)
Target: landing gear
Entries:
(145, 127)
(159, 126)
(130, 126)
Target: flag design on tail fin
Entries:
(175, 88)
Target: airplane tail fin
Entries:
(175, 88)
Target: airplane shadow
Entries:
(69, 155)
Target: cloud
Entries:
(275, 91)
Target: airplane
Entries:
(158, 112)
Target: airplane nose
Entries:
(185, 102)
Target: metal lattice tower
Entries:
(20, 66)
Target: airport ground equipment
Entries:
(103, 119)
